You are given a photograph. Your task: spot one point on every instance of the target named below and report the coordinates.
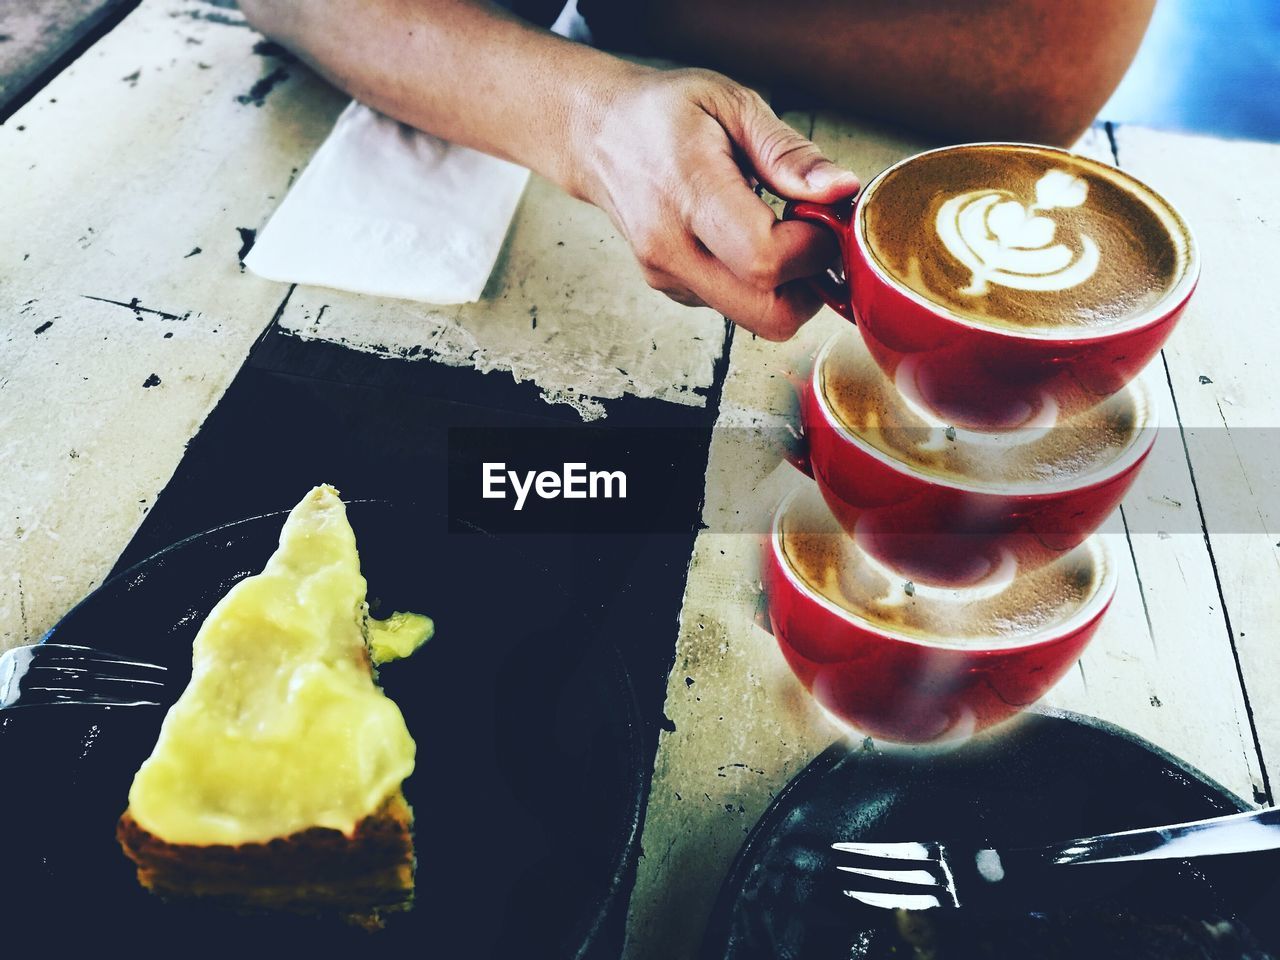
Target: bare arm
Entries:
(667, 154)
(465, 71)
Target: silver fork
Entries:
(922, 876)
(42, 674)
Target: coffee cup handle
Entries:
(796, 452)
(837, 218)
(795, 445)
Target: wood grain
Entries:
(1221, 365)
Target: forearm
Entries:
(669, 155)
(464, 70)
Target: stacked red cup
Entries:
(969, 443)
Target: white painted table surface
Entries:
(142, 152)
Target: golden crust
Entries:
(315, 870)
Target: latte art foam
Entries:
(833, 566)
(1003, 242)
(1024, 237)
(865, 402)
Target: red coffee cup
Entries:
(948, 531)
(984, 376)
(904, 688)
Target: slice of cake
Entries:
(276, 780)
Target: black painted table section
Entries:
(301, 413)
(39, 38)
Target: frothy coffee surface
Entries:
(1025, 237)
(865, 402)
(826, 559)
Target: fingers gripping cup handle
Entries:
(838, 218)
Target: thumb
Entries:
(788, 164)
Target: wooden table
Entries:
(132, 183)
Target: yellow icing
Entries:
(398, 636)
(282, 726)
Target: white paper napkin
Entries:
(388, 210)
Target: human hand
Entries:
(671, 157)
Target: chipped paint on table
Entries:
(565, 308)
(126, 312)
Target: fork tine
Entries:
(84, 701)
(132, 681)
(90, 676)
(67, 653)
(116, 684)
(89, 663)
(65, 696)
(892, 851)
(896, 901)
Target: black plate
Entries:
(1049, 775)
(529, 779)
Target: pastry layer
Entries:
(313, 870)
